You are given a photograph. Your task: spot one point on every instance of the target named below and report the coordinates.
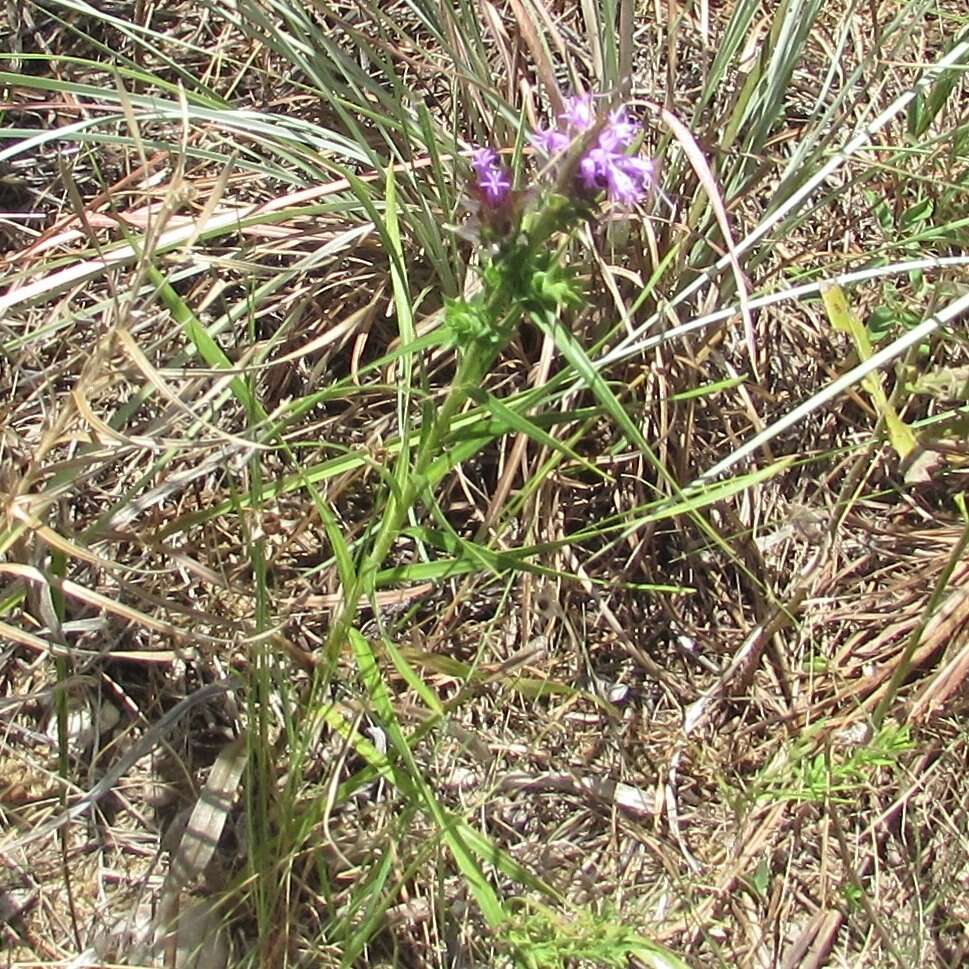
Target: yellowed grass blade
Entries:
(104, 431)
(536, 46)
(97, 600)
(57, 541)
(844, 319)
(211, 203)
(37, 643)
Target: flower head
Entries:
(493, 183)
(605, 166)
(494, 186)
(483, 160)
(578, 114)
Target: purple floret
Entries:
(592, 168)
(578, 114)
(619, 131)
(624, 178)
(483, 160)
(550, 141)
(494, 184)
(628, 179)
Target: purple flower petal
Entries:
(578, 113)
(550, 141)
(494, 184)
(619, 131)
(639, 168)
(593, 169)
(628, 178)
(624, 177)
(622, 187)
(483, 160)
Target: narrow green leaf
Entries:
(452, 830)
(522, 425)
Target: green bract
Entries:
(553, 288)
(518, 279)
(467, 323)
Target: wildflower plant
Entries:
(523, 274)
(585, 158)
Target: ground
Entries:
(662, 657)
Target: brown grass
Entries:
(676, 778)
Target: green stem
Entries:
(505, 309)
(474, 364)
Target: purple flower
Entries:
(494, 186)
(619, 130)
(623, 177)
(628, 179)
(483, 160)
(605, 167)
(578, 114)
(592, 168)
(550, 141)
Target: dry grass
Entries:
(737, 730)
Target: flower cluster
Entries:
(524, 263)
(605, 166)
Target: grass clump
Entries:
(404, 540)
